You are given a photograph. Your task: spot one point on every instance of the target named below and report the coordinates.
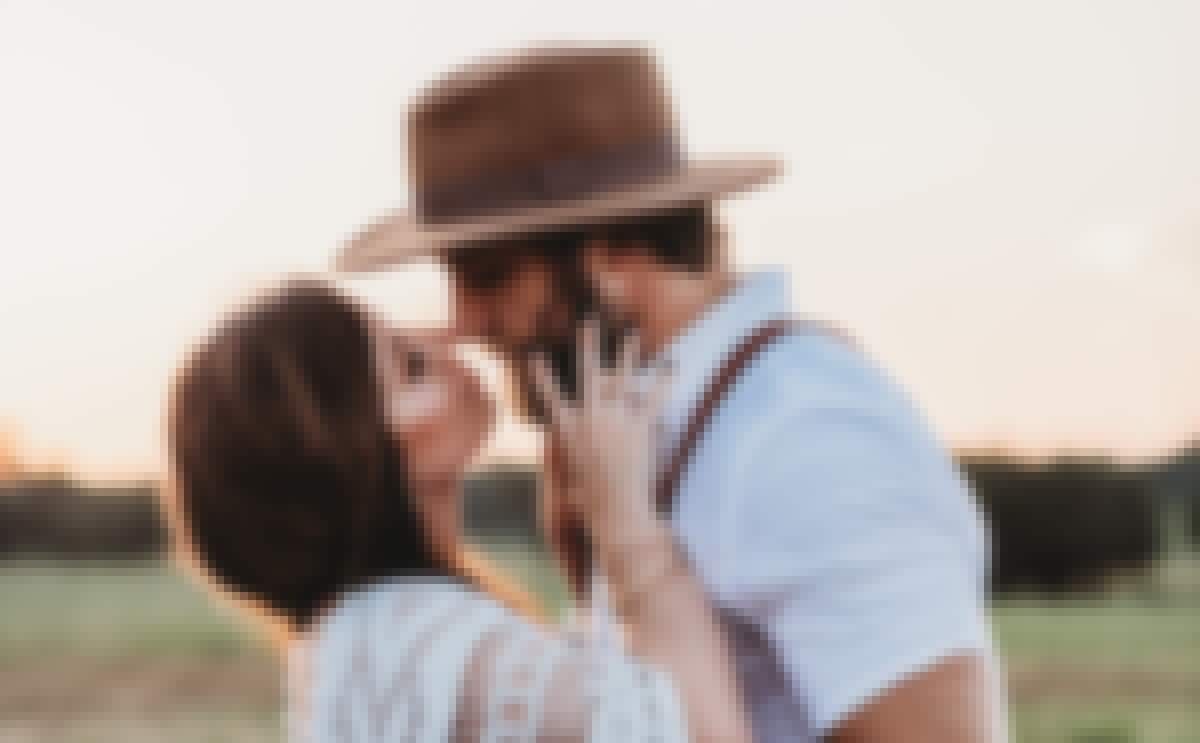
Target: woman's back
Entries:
(430, 661)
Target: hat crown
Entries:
(546, 138)
(518, 113)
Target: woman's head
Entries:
(436, 407)
(290, 437)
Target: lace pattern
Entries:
(434, 663)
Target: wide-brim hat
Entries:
(543, 140)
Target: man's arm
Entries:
(950, 702)
(854, 546)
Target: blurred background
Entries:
(1002, 201)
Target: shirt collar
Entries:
(697, 353)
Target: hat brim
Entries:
(401, 237)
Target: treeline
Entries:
(1068, 525)
(1060, 526)
(61, 518)
(56, 518)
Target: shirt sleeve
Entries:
(853, 543)
(528, 685)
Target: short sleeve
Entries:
(438, 663)
(388, 663)
(854, 545)
(634, 702)
(524, 684)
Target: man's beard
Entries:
(559, 344)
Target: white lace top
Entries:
(433, 661)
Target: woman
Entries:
(314, 455)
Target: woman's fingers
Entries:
(589, 361)
(656, 396)
(629, 361)
(550, 392)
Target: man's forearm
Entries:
(951, 702)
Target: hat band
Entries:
(554, 181)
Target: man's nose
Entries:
(470, 325)
(460, 332)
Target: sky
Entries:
(1001, 200)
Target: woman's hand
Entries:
(609, 439)
(609, 443)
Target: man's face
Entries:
(520, 298)
(513, 300)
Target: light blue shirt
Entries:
(833, 531)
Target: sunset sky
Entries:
(1003, 202)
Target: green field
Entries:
(108, 652)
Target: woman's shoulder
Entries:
(383, 590)
(390, 605)
(451, 657)
(403, 644)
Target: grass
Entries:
(1099, 634)
(223, 725)
(134, 618)
(111, 610)
(529, 567)
(1144, 722)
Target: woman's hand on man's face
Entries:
(609, 436)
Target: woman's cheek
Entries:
(418, 405)
(482, 404)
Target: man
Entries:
(836, 538)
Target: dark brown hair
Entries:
(288, 485)
(679, 238)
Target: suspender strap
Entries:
(577, 550)
(736, 364)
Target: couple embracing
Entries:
(764, 540)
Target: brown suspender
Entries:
(578, 557)
(667, 488)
